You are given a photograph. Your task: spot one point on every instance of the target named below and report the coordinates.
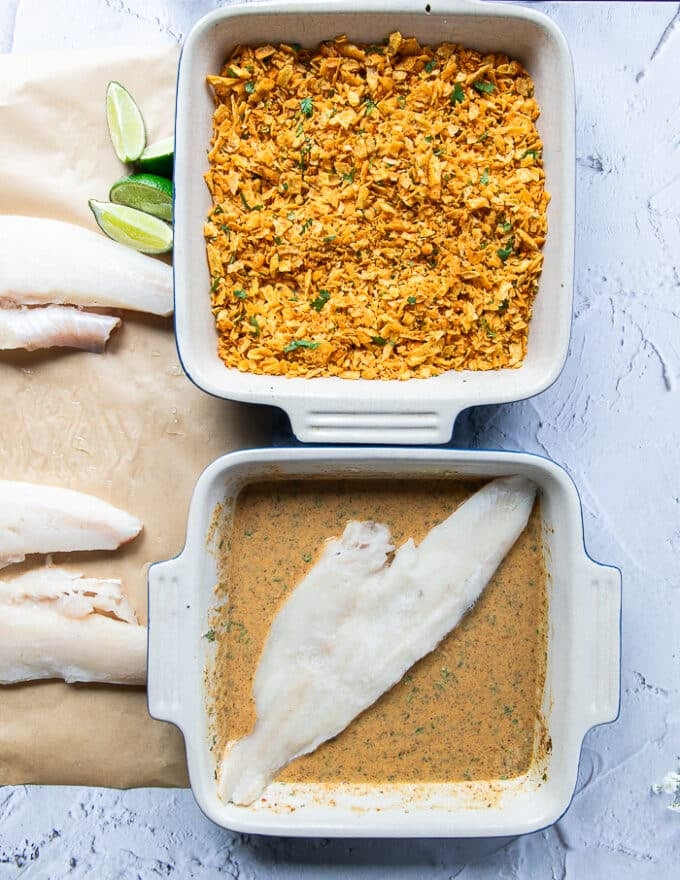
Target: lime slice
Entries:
(126, 125)
(159, 158)
(146, 192)
(134, 228)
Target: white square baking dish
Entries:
(582, 676)
(334, 410)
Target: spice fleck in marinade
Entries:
(469, 710)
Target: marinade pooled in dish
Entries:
(468, 710)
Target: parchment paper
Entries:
(127, 426)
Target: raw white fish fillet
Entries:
(48, 261)
(72, 594)
(56, 624)
(355, 624)
(55, 326)
(44, 519)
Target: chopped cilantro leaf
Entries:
(484, 179)
(505, 252)
(430, 66)
(483, 86)
(485, 326)
(239, 293)
(532, 153)
(301, 343)
(306, 557)
(370, 106)
(231, 73)
(296, 47)
(329, 238)
(306, 225)
(321, 300)
(411, 300)
(503, 307)
(507, 226)
(215, 284)
(253, 323)
(278, 239)
(401, 100)
(250, 207)
(306, 107)
(305, 153)
(250, 87)
(457, 95)
(210, 635)
(378, 340)
(350, 177)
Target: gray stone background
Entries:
(612, 420)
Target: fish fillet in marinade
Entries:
(356, 623)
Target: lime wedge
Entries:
(146, 192)
(159, 158)
(134, 228)
(126, 125)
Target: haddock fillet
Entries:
(56, 624)
(48, 261)
(45, 519)
(54, 327)
(355, 624)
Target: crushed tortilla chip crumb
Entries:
(378, 211)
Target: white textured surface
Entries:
(612, 419)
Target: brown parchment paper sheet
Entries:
(127, 426)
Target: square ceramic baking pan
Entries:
(334, 410)
(582, 676)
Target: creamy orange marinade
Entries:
(469, 710)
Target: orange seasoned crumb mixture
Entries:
(378, 211)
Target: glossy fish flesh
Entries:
(356, 623)
(55, 326)
(56, 624)
(48, 261)
(45, 519)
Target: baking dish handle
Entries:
(601, 623)
(165, 664)
(368, 422)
